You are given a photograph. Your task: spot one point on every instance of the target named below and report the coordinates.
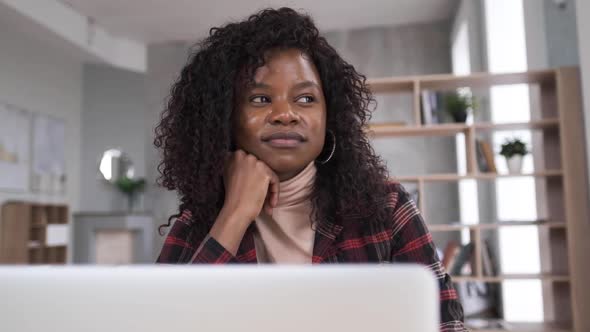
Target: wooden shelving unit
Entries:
(23, 233)
(501, 278)
(563, 235)
(447, 129)
(458, 227)
(476, 176)
(532, 327)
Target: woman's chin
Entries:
(286, 167)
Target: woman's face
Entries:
(281, 119)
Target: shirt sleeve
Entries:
(183, 245)
(412, 243)
(212, 252)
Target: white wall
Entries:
(551, 36)
(470, 12)
(559, 38)
(535, 33)
(113, 115)
(40, 78)
(583, 21)
(165, 60)
(561, 34)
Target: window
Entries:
(506, 49)
(468, 203)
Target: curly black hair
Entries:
(195, 131)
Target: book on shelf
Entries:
(450, 253)
(489, 156)
(485, 156)
(415, 195)
(431, 106)
(463, 257)
(488, 259)
(478, 298)
(460, 259)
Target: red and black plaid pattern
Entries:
(405, 239)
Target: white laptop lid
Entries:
(214, 299)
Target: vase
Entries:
(514, 164)
(460, 117)
(132, 202)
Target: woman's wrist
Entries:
(229, 229)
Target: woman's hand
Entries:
(250, 186)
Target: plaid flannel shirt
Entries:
(405, 239)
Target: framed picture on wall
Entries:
(49, 165)
(15, 148)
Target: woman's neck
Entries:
(297, 188)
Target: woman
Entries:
(264, 140)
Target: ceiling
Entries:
(164, 20)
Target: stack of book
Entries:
(460, 259)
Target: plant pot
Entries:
(514, 164)
(460, 117)
(133, 202)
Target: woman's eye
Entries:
(306, 99)
(260, 99)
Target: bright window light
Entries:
(519, 247)
(519, 308)
(468, 203)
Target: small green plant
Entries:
(130, 187)
(458, 104)
(512, 147)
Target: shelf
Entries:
(562, 242)
(396, 130)
(478, 176)
(391, 84)
(528, 327)
(449, 81)
(476, 80)
(495, 225)
(447, 129)
(496, 279)
(35, 244)
(535, 124)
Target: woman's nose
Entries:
(283, 113)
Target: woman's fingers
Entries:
(274, 189)
(272, 195)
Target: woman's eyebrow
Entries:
(300, 85)
(259, 85)
(306, 84)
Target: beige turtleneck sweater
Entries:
(287, 236)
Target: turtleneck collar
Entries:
(298, 188)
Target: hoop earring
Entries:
(322, 162)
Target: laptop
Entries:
(259, 298)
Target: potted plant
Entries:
(458, 105)
(130, 187)
(514, 150)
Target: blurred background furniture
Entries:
(561, 190)
(113, 238)
(32, 233)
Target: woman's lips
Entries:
(284, 140)
(283, 143)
